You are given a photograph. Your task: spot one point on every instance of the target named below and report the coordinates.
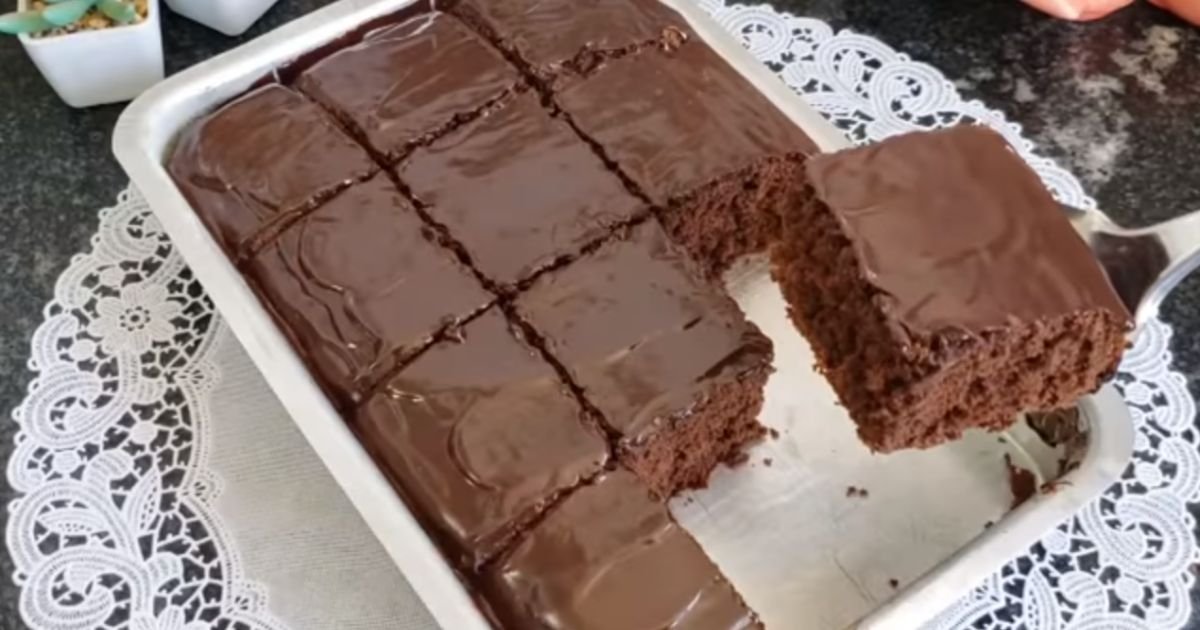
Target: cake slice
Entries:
(700, 141)
(942, 288)
(264, 155)
(359, 284)
(610, 558)
(552, 37)
(519, 190)
(408, 83)
(479, 435)
(669, 361)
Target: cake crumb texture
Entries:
(738, 214)
(715, 431)
(927, 321)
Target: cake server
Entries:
(1143, 264)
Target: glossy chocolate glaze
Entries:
(518, 189)
(958, 233)
(677, 120)
(267, 152)
(548, 33)
(479, 434)
(408, 80)
(611, 558)
(639, 331)
(289, 72)
(359, 282)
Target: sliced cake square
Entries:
(700, 141)
(518, 189)
(610, 558)
(407, 83)
(479, 434)
(267, 153)
(942, 288)
(359, 283)
(671, 363)
(556, 36)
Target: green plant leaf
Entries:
(120, 12)
(23, 22)
(67, 11)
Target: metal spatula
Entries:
(1144, 264)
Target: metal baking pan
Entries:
(781, 526)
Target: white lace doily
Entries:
(115, 524)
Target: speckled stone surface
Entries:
(1116, 102)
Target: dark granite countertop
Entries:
(1115, 102)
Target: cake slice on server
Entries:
(942, 288)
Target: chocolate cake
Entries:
(458, 221)
(671, 364)
(261, 158)
(493, 234)
(480, 435)
(343, 282)
(611, 558)
(518, 190)
(942, 288)
(704, 145)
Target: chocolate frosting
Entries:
(549, 32)
(358, 282)
(478, 433)
(958, 233)
(269, 151)
(699, 121)
(518, 189)
(409, 79)
(639, 331)
(610, 558)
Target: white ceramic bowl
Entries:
(231, 17)
(97, 67)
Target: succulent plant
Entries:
(63, 13)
